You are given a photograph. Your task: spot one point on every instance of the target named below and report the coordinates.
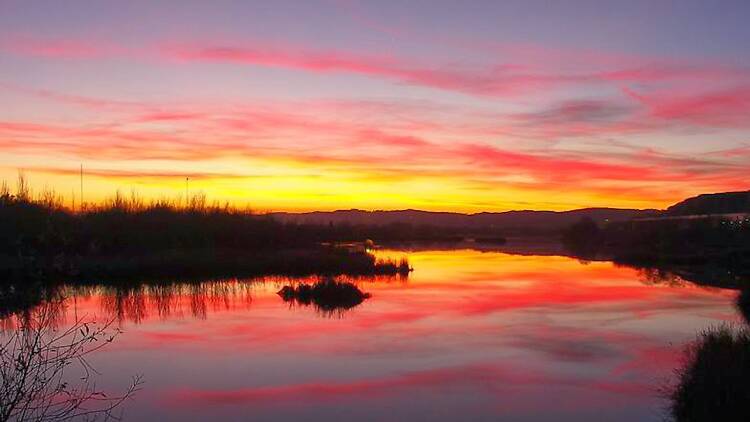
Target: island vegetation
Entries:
(327, 295)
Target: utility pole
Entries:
(187, 187)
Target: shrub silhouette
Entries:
(714, 383)
(327, 295)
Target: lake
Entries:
(469, 335)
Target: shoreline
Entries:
(199, 263)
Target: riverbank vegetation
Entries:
(126, 237)
(701, 244)
(714, 382)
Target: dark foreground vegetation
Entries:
(45, 374)
(714, 383)
(328, 295)
(122, 238)
(743, 304)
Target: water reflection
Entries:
(21, 298)
(138, 302)
(703, 275)
(471, 336)
(712, 381)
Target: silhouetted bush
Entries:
(714, 383)
(327, 295)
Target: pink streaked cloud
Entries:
(251, 136)
(508, 77)
(398, 142)
(514, 74)
(721, 108)
(525, 126)
(61, 48)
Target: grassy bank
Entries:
(126, 237)
(197, 264)
(42, 227)
(714, 382)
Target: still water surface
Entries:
(468, 336)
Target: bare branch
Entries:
(34, 383)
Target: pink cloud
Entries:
(60, 48)
(561, 168)
(56, 49)
(717, 108)
(340, 144)
(485, 82)
(737, 152)
(519, 71)
(389, 141)
(98, 104)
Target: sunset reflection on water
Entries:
(468, 335)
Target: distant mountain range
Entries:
(730, 202)
(541, 220)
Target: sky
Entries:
(462, 106)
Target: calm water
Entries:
(469, 336)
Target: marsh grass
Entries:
(126, 236)
(714, 382)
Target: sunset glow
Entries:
(381, 105)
